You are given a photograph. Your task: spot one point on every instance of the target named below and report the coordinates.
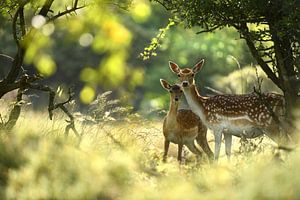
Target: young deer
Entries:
(245, 115)
(182, 126)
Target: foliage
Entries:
(65, 172)
(8, 151)
(105, 109)
(243, 81)
(270, 29)
(122, 159)
(156, 42)
(184, 47)
(72, 45)
(49, 167)
(251, 146)
(34, 27)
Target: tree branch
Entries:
(52, 106)
(22, 82)
(46, 7)
(208, 30)
(75, 4)
(19, 13)
(65, 13)
(22, 21)
(263, 48)
(262, 63)
(243, 29)
(282, 125)
(15, 112)
(18, 59)
(14, 26)
(162, 4)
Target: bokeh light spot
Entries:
(48, 29)
(140, 11)
(46, 65)
(86, 39)
(87, 94)
(38, 21)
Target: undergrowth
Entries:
(123, 160)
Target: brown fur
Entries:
(237, 105)
(221, 113)
(182, 126)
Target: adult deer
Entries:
(246, 115)
(182, 126)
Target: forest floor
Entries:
(123, 160)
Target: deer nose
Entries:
(176, 99)
(185, 83)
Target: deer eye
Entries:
(178, 75)
(192, 75)
(170, 91)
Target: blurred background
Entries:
(108, 50)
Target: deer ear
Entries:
(174, 67)
(198, 66)
(165, 84)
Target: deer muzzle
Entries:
(185, 84)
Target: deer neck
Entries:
(173, 108)
(195, 101)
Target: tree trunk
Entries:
(286, 70)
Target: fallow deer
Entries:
(245, 115)
(182, 126)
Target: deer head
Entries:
(186, 75)
(174, 90)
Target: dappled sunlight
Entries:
(38, 21)
(83, 113)
(87, 94)
(45, 65)
(112, 71)
(48, 29)
(89, 75)
(86, 39)
(123, 160)
(140, 10)
(137, 77)
(244, 80)
(36, 51)
(118, 34)
(114, 32)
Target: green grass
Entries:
(122, 160)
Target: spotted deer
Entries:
(245, 115)
(182, 126)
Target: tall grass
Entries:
(122, 160)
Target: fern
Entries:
(104, 108)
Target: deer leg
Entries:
(218, 140)
(179, 156)
(192, 147)
(166, 149)
(228, 142)
(202, 141)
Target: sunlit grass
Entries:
(123, 160)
